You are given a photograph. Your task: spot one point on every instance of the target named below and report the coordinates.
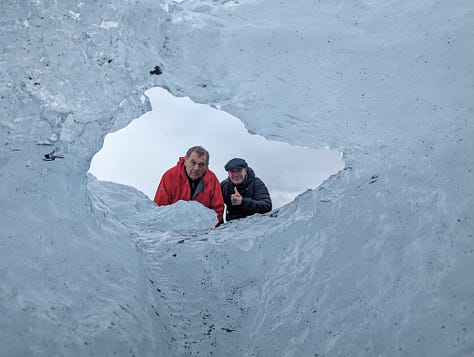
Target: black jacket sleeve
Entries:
(261, 201)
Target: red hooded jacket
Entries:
(174, 186)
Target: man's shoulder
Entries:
(225, 182)
(173, 172)
(210, 176)
(258, 182)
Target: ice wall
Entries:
(376, 261)
(72, 282)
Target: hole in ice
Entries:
(140, 153)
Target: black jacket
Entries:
(256, 198)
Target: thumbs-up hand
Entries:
(236, 198)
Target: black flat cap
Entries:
(235, 163)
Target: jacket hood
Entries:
(250, 174)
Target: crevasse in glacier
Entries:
(375, 261)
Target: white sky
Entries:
(139, 154)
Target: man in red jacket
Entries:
(190, 180)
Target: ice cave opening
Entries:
(140, 153)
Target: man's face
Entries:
(237, 176)
(195, 165)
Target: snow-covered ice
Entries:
(375, 261)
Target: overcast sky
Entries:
(139, 154)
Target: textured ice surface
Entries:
(376, 261)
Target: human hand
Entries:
(236, 198)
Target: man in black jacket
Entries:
(244, 193)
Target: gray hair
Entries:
(200, 151)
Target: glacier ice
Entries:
(375, 261)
